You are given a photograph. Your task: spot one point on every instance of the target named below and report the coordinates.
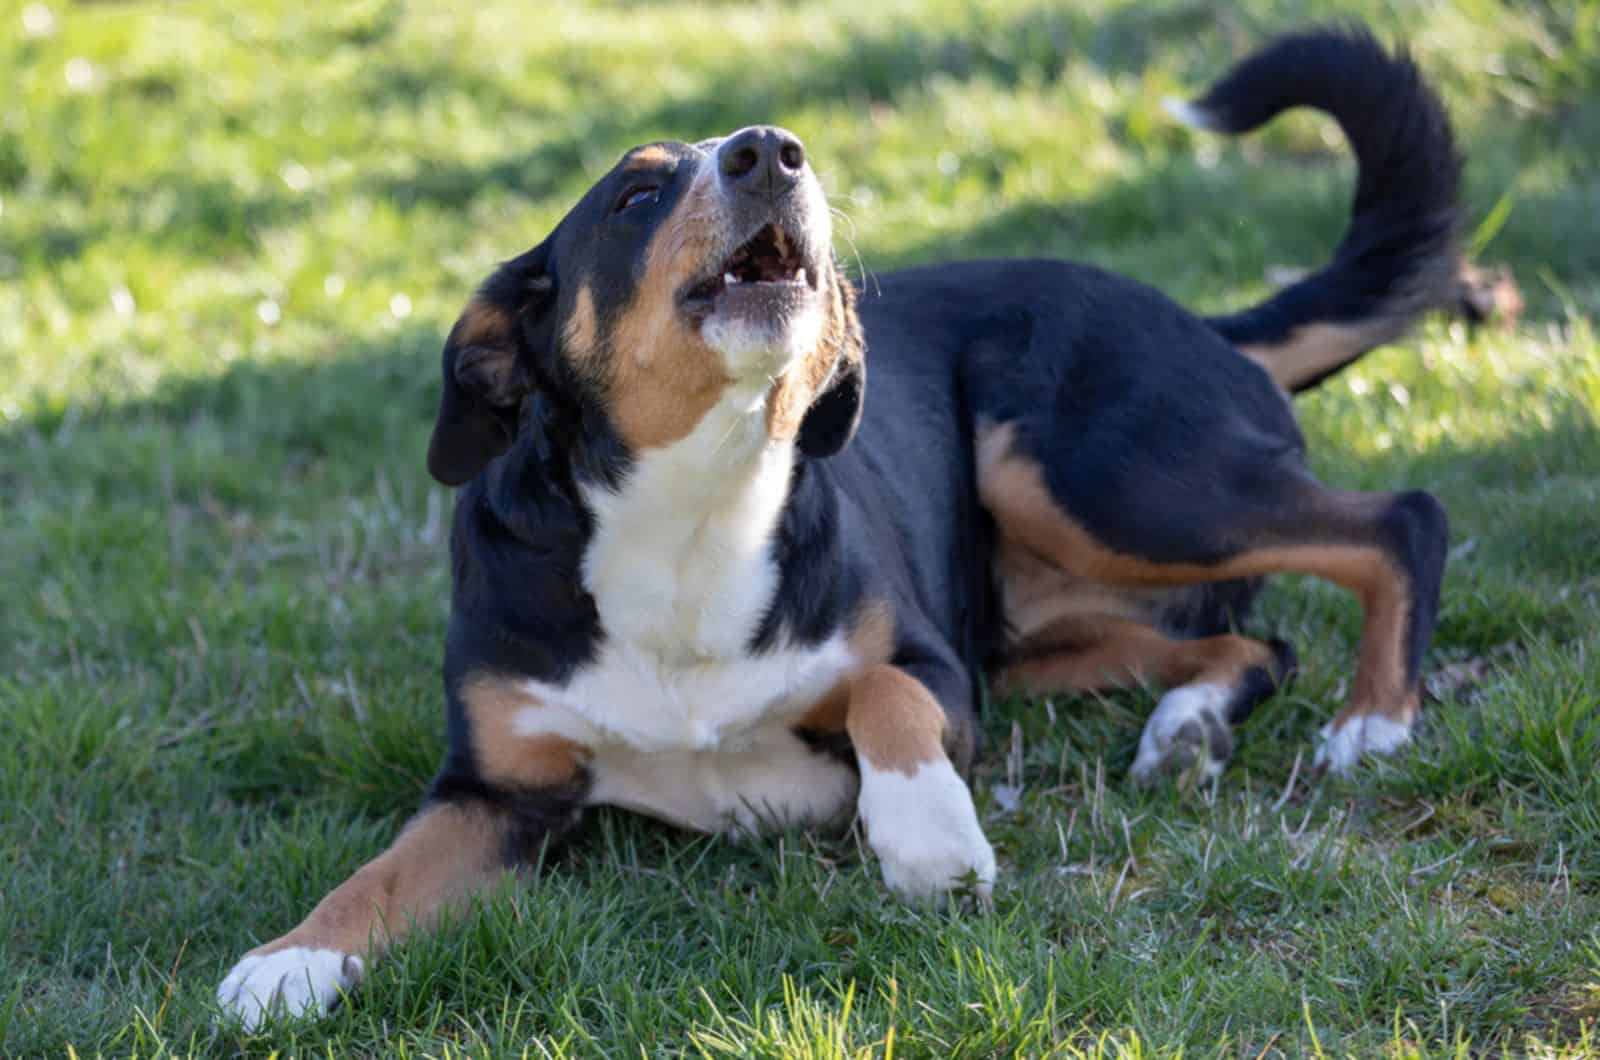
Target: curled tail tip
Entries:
(1190, 114)
(1327, 67)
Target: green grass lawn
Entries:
(231, 239)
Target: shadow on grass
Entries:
(1243, 212)
(263, 437)
(866, 70)
(258, 436)
(346, 410)
(212, 217)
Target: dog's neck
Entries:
(680, 563)
(728, 453)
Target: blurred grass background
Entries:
(231, 238)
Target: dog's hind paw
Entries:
(1188, 726)
(1344, 741)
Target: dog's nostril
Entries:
(762, 160)
(738, 162)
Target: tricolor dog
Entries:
(737, 540)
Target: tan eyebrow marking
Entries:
(646, 157)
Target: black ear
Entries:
(831, 421)
(485, 378)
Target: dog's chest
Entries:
(681, 568)
(680, 718)
(680, 563)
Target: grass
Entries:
(231, 238)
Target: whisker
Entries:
(850, 237)
(866, 273)
(845, 217)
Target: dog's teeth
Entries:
(729, 279)
(800, 277)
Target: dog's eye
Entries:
(638, 194)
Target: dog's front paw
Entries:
(925, 831)
(294, 981)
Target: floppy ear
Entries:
(485, 379)
(831, 421)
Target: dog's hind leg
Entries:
(1246, 513)
(1213, 682)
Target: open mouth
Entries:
(769, 264)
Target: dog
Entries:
(701, 570)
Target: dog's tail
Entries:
(1398, 256)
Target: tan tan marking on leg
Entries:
(894, 722)
(503, 754)
(1012, 488)
(917, 810)
(444, 853)
(872, 643)
(1385, 595)
(1089, 654)
(1037, 596)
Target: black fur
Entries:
(529, 819)
(1210, 609)
(1261, 683)
(1151, 429)
(1416, 531)
(1398, 256)
(832, 420)
(1173, 423)
(485, 382)
(1148, 453)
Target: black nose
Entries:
(762, 159)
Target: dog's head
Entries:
(687, 270)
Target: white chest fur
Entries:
(680, 565)
(679, 714)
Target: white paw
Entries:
(295, 981)
(1341, 747)
(1188, 725)
(925, 831)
